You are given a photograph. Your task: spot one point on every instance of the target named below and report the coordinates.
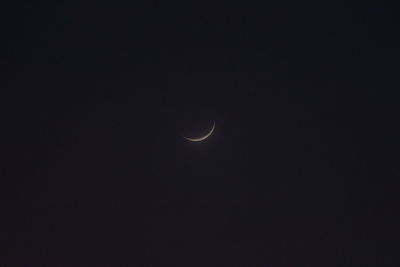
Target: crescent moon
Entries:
(203, 137)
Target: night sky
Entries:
(301, 170)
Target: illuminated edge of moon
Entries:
(203, 137)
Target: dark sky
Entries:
(302, 169)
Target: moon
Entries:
(203, 137)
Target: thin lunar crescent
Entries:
(201, 138)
